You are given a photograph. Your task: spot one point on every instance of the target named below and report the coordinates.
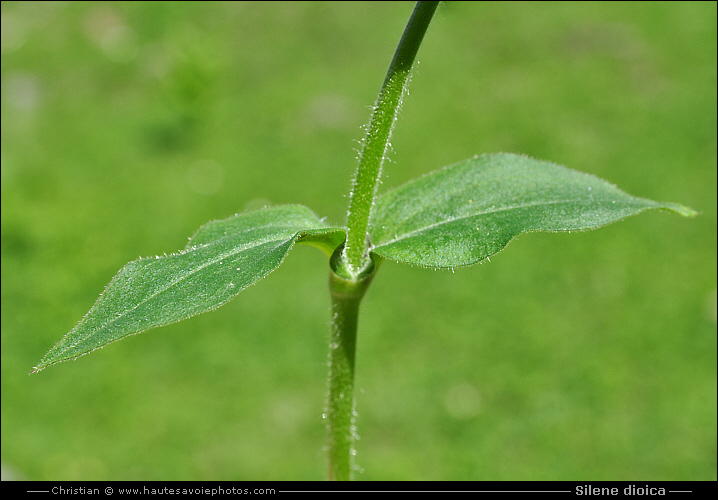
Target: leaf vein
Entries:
(224, 255)
(411, 233)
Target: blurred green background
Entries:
(589, 356)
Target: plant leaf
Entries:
(222, 259)
(468, 211)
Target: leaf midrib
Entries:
(232, 252)
(477, 214)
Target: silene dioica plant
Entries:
(455, 216)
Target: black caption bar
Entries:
(223, 489)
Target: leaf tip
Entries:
(682, 210)
(37, 368)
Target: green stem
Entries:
(376, 143)
(352, 269)
(346, 295)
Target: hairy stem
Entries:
(376, 143)
(352, 269)
(346, 295)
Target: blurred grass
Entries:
(125, 126)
